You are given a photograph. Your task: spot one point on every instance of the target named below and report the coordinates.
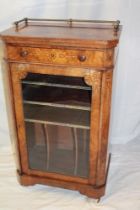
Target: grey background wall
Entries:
(125, 118)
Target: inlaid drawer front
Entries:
(60, 56)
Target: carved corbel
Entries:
(93, 78)
(22, 74)
(19, 72)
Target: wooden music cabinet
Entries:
(59, 75)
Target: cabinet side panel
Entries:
(104, 127)
(6, 76)
(94, 79)
(109, 58)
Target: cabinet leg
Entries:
(98, 201)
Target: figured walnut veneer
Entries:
(93, 58)
(78, 52)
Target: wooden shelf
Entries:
(56, 81)
(56, 85)
(57, 105)
(57, 116)
(58, 97)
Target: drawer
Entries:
(89, 58)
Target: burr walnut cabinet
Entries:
(58, 80)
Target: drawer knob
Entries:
(81, 58)
(23, 53)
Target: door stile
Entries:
(16, 77)
(94, 79)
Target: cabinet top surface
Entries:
(90, 33)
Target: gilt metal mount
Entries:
(70, 22)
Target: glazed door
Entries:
(56, 121)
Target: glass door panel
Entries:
(57, 123)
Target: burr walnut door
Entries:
(53, 114)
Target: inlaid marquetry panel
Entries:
(90, 58)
